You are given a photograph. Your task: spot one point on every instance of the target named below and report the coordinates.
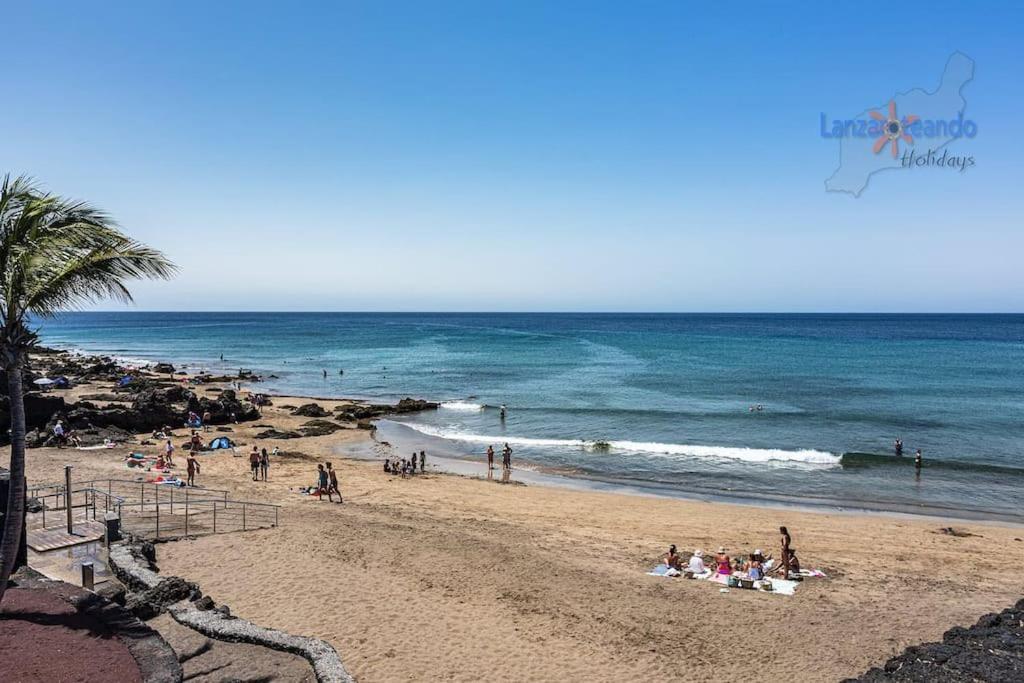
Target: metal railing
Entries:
(156, 511)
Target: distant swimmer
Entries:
(325, 374)
(898, 447)
(917, 460)
(501, 411)
(341, 372)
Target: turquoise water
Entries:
(669, 395)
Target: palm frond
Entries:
(57, 254)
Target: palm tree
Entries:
(55, 255)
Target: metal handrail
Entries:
(252, 514)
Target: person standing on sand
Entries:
(490, 457)
(193, 468)
(412, 463)
(506, 457)
(168, 452)
(423, 462)
(322, 482)
(254, 463)
(332, 483)
(264, 463)
(786, 559)
(206, 421)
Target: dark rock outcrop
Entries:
(277, 434)
(310, 410)
(224, 409)
(164, 368)
(992, 650)
(364, 411)
(319, 428)
(39, 410)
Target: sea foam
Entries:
(754, 455)
(462, 406)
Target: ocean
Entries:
(666, 402)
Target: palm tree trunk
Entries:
(14, 519)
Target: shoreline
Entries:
(536, 476)
(539, 475)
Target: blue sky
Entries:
(521, 156)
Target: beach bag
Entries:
(733, 582)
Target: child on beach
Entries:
(490, 457)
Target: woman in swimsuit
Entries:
(673, 560)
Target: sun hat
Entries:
(759, 552)
(698, 553)
(721, 549)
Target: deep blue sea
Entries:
(669, 395)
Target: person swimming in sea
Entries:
(898, 447)
(917, 460)
(501, 412)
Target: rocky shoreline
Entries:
(992, 650)
(131, 401)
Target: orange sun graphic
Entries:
(893, 130)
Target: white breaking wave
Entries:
(806, 456)
(462, 406)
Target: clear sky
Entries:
(519, 155)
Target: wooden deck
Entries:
(85, 531)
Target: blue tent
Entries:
(220, 442)
(124, 381)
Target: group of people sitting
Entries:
(754, 566)
(63, 437)
(405, 466)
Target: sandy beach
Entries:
(448, 577)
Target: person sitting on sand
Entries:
(696, 564)
(753, 568)
(160, 463)
(794, 567)
(672, 559)
(387, 466)
(723, 563)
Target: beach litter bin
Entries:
(113, 530)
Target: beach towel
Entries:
(783, 586)
(664, 570)
(813, 574)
